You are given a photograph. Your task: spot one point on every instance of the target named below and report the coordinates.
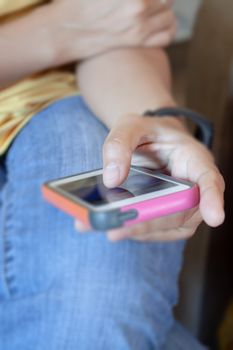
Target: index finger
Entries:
(118, 149)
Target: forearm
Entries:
(125, 81)
(25, 46)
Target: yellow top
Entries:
(19, 102)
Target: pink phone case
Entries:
(129, 214)
(162, 206)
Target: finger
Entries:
(146, 160)
(162, 38)
(171, 222)
(118, 149)
(152, 28)
(157, 22)
(120, 144)
(149, 7)
(211, 186)
(200, 168)
(182, 232)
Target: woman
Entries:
(63, 290)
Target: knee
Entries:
(64, 138)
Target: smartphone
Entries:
(144, 195)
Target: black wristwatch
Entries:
(204, 128)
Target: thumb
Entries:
(118, 149)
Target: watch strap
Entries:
(204, 128)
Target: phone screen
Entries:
(93, 191)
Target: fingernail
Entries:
(111, 174)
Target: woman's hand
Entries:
(72, 30)
(138, 80)
(164, 142)
(83, 28)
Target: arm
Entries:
(119, 87)
(62, 32)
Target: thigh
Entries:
(67, 289)
(62, 140)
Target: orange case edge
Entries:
(71, 208)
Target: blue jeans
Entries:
(60, 290)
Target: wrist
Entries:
(204, 128)
(168, 123)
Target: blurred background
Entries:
(202, 61)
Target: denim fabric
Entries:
(63, 290)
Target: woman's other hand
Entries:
(83, 28)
